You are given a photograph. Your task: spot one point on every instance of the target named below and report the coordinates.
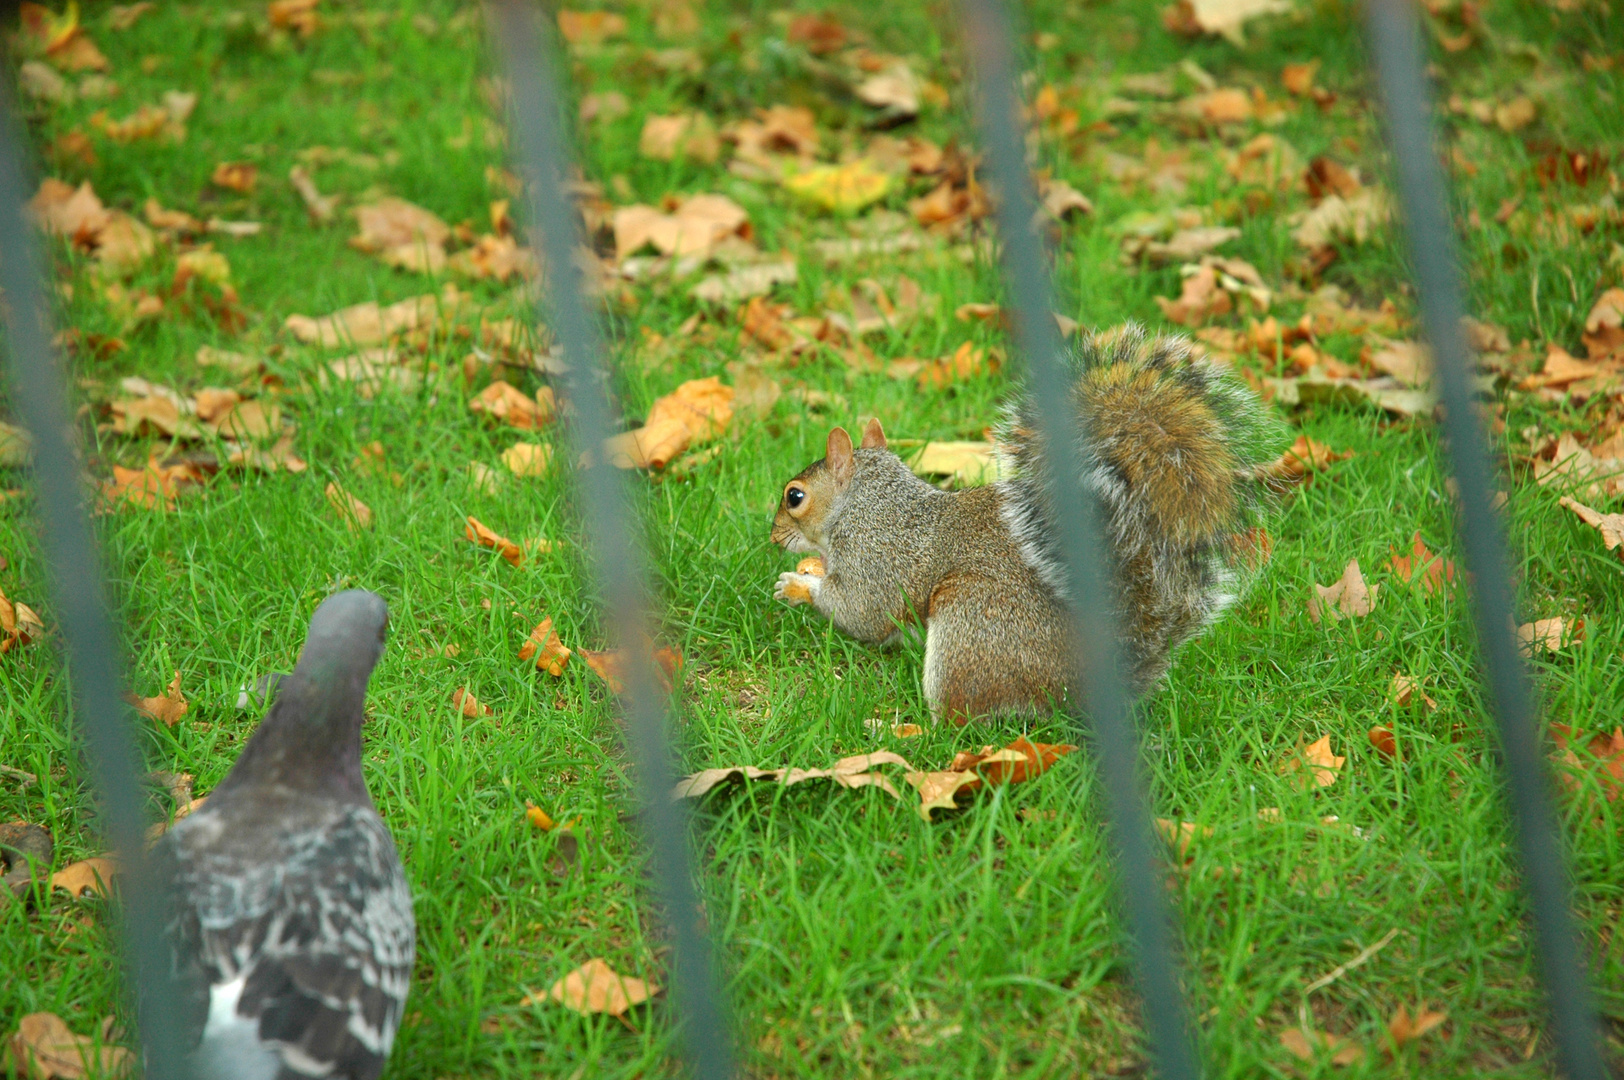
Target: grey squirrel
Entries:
(1173, 452)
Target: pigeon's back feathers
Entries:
(292, 929)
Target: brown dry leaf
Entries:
(1298, 79)
(1406, 690)
(696, 784)
(1347, 597)
(1200, 299)
(696, 412)
(170, 220)
(1337, 218)
(1304, 456)
(1326, 177)
(1611, 526)
(505, 402)
(968, 361)
(528, 459)
(496, 258)
(1549, 635)
(1313, 765)
(152, 487)
(595, 987)
(1410, 362)
(464, 701)
(1383, 740)
(169, 707)
(297, 15)
(610, 664)
(355, 514)
(1063, 202)
(18, 623)
(1421, 567)
(1604, 326)
(238, 176)
(939, 790)
(907, 731)
(401, 234)
(44, 1047)
(694, 227)
(320, 207)
(1403, 1028)
(1219, 17)
(1606, 753)
(690, 135)
(1305, 1045)
(478, 533)
(1225, 105)
(371, 324)
(93, 875)
(1181, 834)
(590, 27)
(1515, 114)
(966, 464)
(548, 649)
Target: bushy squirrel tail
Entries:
(1170, 452)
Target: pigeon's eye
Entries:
(794, 497)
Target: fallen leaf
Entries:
(1225, 105)
(1298, 79)
(690, 135)
(464, 701)
(369, 323)
(1605, 751)
(595, 987)
(611, 666)
(1305, 1045)
(1313, 765)
(1421, 567)
(939, 790)
(44, 1047)
(968, 361)
(528, 459)
(478, 533)
(94, 875)
(1181, 834)
(355, 514)
(240, 176)
(1549, 635)
(1515, 114)
(1347, 597)
(1021, 760)
(1611, 526)
(907, 731)
(696, 412)
(843, 189)
(1188, 245)
(297, 15)
(1219, 17)
(1382, 739)
(1604, 326)
(1403, 1028)
(19, 625)
(1336, 218)
(169, 707)
(1406, 691)
(756, 279)
(966, 464)
(694, 228)
(548, 649)
(402, 234)
(590, 27)
(1304, 456)
(321, 208)
(1200, 298)
(505, 402)
(1410, 362)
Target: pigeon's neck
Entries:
(309, 741)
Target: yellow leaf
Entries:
(95, 875)
(595, 987)
(844, 189)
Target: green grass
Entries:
(856, 938)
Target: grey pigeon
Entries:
(291, 933)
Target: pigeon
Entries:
(289, 920)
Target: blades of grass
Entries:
(1393, 31)
(1144, 901)
(543, 156)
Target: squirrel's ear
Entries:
(838, 454)
(874, 435)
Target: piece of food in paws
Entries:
(810, 565)
(793, 589)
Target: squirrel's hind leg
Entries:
(991, 653)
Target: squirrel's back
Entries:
(1170, 449)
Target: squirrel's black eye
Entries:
(794, 497)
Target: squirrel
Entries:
(1174, 451)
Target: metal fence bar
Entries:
(1395, 45)
(1140, 870)
(91, 650)
(540, 149)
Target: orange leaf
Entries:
(235, 176)
(1421, 566)
(168, 707)
(1313, 765)
(477, 532)
(545, 645)
(1404, 1029)
(94, 875)
(595, 987)
(468, 704)
(44, 1047)
(1347, 597)
(355, 514)
(611, 664)
(1382, 739)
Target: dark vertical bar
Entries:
(1144, 901)
(1395, 43)
(540, 150)
(91, 651)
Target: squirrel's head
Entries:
(810, 500)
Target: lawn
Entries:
(857, 939)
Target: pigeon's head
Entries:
(346, 637)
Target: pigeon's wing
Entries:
(186, 978)
(322, 942)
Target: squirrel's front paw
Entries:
(794, 588)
